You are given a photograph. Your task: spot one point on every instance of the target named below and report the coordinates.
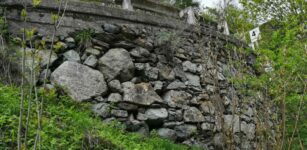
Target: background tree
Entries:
(264, 10)
(284, 46)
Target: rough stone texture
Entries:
(140, 52)
(127, 106)
(93, 51)
(207, 126)
(185, 131)
(156, 114)
(191, 67)
(151, 73)
(175, 115)
(115, 86)
(176, 98)
(116, 63)
(248, 129)
(141, 94)
(43, 74)
(167, 133)
(165, 72)
(91, 61)
(176, 85)
(192, 114)
(110, 28)
(102, 109)
(81, 82)
(44, 57)
(193, 80)
(158, 86)
(72, 56)
(141, 116)
(232, 122)
(115, 97)
(192, 75)
(207, 107)
(119, 113)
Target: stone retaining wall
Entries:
(150, 72)
(80, 15)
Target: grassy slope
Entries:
(67, 125)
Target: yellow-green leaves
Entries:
(58, 46)
(30, 33)
(54, 17)
(36, 3)
(23, 14)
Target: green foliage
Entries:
(263, 10)
(3, 28)
(283, 46)
(238, 20)
(54, 18)
(36, 3)
(286, 50)
(84, 36)
(23, 14)
(70, 125)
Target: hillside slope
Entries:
(70, 125)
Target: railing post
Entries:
(191, 19)
(127, 5)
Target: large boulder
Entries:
(141, 94)
(81, 82)
(117, 63)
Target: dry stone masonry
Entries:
(152, 75)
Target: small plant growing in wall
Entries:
(84, 37)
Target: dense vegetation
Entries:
(70, 125)
(285, 49)
(281, 62)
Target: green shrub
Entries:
(70, 125)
